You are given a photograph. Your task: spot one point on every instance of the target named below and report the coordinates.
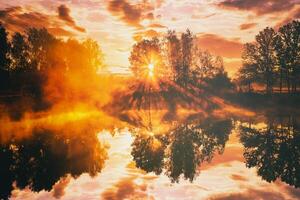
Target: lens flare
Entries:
(151, 69)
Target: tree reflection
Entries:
(274, 150)
(40, 161)
(182, 150)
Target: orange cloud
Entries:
(258, 6)
(64, 14)
(249, 194)
(295, 14)
(18, 19)
(219, 45)
(126, 189)
(132, 14)
(59, 187)
(157, 26)
(145, 34)
(128, 13)
(238, 177)
(247, 26)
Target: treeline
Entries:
(178, 58)
(273, 60)
(27, 59)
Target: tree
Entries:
(148, 153)
(40, 161)
(186, 48)
(247, 75)
(174, 54)
(261, 55)
(287, 50)
(273, 150)
(182, 150)
(41, 42)
(265, 48)
(20, 55)
(146, 58)
(93, 55)
(4, 50)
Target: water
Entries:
(196, 156)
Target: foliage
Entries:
(273, 57)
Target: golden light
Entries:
(151, 69)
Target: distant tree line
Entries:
(273, 59)
(27, 59)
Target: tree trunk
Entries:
(288, 81)
(280, 84)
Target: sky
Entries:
(222, 26)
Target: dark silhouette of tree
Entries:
(247, 75)
(273, 58)
(287, 50)
(208, 71)
(7, 176)
(265, 48)
(179, 55)
(4, 50)
(186, 48)
(174, 54)
(41, 42)
(181, 151)
(274, 150)
(4, 60)
(144, 54)
(148, 153)
(20, 55)
(40, 161)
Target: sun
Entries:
(151, 69)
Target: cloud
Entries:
(18, 19)
(59, 187)
(156, 26)
(289, 10)
(138, 36)
(132, 14)
(249, 194)
(238, 177)
(197, 16)
(126, 189)
(127, 12)
(219, 45)
(64, 14)
(294, 14)
(247, 26)
(258, 6)
(229, 49)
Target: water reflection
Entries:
(271, 145)
(40, 161)
(182, 150)
(274, 149)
